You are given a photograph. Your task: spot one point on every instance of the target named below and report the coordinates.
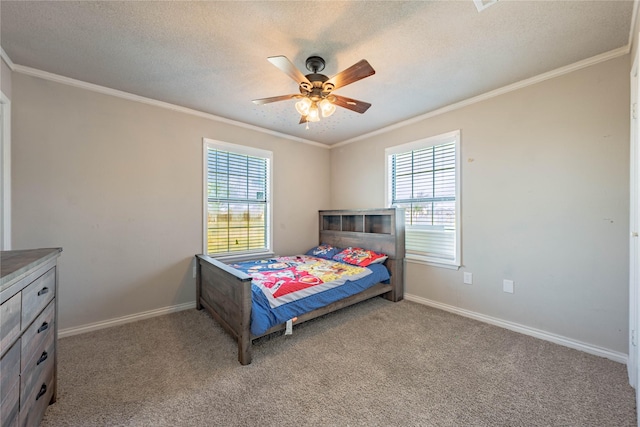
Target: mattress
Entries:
(266, 314)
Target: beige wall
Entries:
(545, 202)
(118, 185)
(5, 79)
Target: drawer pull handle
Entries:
(43, 291)
(44, 327)
(42, 391)
(42, 358)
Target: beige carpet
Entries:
(377, 363)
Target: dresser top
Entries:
(13, 264)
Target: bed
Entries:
(233, 297)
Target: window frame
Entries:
(247, 151)
(421, 144)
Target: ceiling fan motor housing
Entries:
(318, 89)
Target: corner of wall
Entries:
(6, 67)
(633, 32)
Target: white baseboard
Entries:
(516, 327)
(67, 332)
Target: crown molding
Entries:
(6, 59)
(497, 92)
(137, 98)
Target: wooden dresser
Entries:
(28, 335)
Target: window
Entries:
(237, 199)
(424, 178)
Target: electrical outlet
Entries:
(507, 286)
(468, 278)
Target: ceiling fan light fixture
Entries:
(303, 106)
(314, 113)
(326, 107)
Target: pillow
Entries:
(360, 257)
(323, 251)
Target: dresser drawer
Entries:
(10, 386)
(37, 295)
(9, 407)
(37, 333)
(10, 315)
(33, 407)
(9, 370)
(37, 368)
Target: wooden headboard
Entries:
(381, 230)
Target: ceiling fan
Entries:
(316, 90)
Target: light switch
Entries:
(468, 278)
(507, 286)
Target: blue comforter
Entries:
(264, 317)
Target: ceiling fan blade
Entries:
(287, 66)
(351, 104)
(273, 99)
(352, 74)
(303, 119)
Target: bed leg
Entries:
(244, 340)
(393, 296)
(396, 267)
(244, 351)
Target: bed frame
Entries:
(226, 292)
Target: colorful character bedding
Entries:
(286, 287)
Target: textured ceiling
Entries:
(212, 56)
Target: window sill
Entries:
(243, 256)
(432, 263)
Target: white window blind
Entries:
(423, 180)
(237, 201)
